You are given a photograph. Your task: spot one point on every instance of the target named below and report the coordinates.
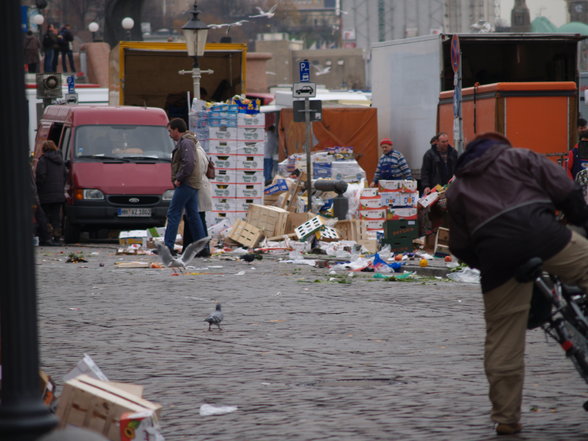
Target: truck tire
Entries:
(71, 232)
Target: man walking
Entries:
(502, 208)
(187, 179)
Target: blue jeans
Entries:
(185, 197)
(48, 62)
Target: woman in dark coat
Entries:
(50, 179)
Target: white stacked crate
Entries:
(236, 145)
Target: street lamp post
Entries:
(93, 28)
(128, 23)
(195, 32)
(38, 20)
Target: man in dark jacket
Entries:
(66, 39)
(438, 164)
(187, 179)
(50, 178)
(502, 212)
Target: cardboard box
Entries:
(247, 120)
(224, 176)
(402, 213)
(429, 199)
(399, 199)
(272, 220)
(366, 203)
(98, 405)
(224, 161)
(244, 204)
(368, 193)
(138, 237)
(250, 147)
(223, 132)
(406, 185)
(377, 224)
(223, 204)
(251, 134)
(251, 162)
(372, 213)
(213, 217)
(249, 177)
(222, 146)
(223, 190)
(249, 191)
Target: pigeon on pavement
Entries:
(215, 318)
(185, 258)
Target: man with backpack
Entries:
(65, 39)
(50, 46)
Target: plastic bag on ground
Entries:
(466, 275)
(209, 409)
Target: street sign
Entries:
(455, 53)
(304, 67)
(304, 90)
(315, 112)
(71, 84)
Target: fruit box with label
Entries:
(98, 405)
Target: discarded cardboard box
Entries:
(245, 234)
(138, 237)
(272, 220)
(441, 241)
(98, 405)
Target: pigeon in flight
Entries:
(185, 258)
(215, 318)
(269, 14)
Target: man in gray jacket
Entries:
(187, 179)
(502, 212)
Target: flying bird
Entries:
(322, 70)
(227, 25)
(181, 261)
(269, 14)
(215, 318)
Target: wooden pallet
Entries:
(246, 234)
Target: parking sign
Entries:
(304, 71)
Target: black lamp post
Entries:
(195, 32)
(23, 416)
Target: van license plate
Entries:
(134, 212)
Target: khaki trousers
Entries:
(506, 311)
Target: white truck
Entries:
(407, 76)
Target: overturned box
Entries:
(98, 405)
(272, 220)
(246, 234)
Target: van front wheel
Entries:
(71, 232)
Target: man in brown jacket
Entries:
(502, 212)
(187, 179)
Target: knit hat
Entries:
(386, 141)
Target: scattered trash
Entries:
(86, 366)
(76, 258)
(465, 275)
(209, 409)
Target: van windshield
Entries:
(123, 141)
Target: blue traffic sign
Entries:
(304, 71)
(71, 84)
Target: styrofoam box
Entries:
(244, 119)
(397, 185)
(224, 161)
(375, 224)
(249, 177)
(373, 213)
(243, 204)
(223, 190)
(224, 176)
(250, 147)
(368, 193)
(223, 133)
(249, 191)
(370, 203)
(222, 146)
(250, 134)
(249, 162)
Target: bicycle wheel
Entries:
(579, 352)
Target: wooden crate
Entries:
(296, 219)
(245, 234)
(353, 229)
(442, 241)
(272, 220)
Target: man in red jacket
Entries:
(502, 212)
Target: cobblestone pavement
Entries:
(303, 357)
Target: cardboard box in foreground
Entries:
(98, 405)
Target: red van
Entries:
(118, 162)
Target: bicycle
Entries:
(560, 310)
